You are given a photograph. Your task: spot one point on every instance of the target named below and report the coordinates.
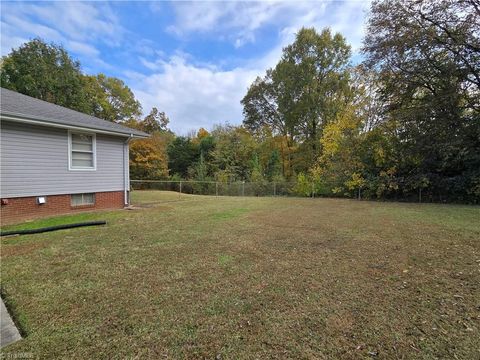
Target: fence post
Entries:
(243, 188)
(313, 190)
(274, 189)
(180, 187)
(216, 188)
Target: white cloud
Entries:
(83, 48)
(155, 6)
(193, 93)
(79, 20)
(19, 25)
(75, 25)
(10, 42)
(152, 65)
(240, 21)
(199, 16)
(200, 95)
(194, 96)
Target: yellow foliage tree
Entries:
(148, 157)
(202, 133)
(339, 166)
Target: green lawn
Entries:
(205, 277)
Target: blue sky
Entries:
(193, 60)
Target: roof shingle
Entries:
(18, 105)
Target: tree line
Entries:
(402, 124)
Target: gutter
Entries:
(126, 170)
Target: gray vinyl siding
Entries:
(34, 161)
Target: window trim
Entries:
(83, 205)
(94, 148)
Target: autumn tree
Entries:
(148, 157)
(339, 168)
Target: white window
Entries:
(82, 151)
(83, 199)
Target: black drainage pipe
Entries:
(52, 228)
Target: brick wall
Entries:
(26, 208)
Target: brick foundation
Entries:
(26, 208)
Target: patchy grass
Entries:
(224, 259)
(229, 214)
(201, 277)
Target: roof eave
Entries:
(45, 122)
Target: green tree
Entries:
(44, 71)
(340, 166)
(182, 155)
(314, 70)
(110, 99)
(274, 166)
(200, 169)
(427, 55)
(47, 72)
(206, 144)
(304, 91)
(155, 121)
(234, 149)
(261, 106)
(256, 173)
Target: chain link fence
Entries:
(240, 188)
(217, 188)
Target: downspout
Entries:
(126, 172)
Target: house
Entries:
(55, 160)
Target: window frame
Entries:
(83, 204)
(70, 150)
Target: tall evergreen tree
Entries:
(274, 166)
